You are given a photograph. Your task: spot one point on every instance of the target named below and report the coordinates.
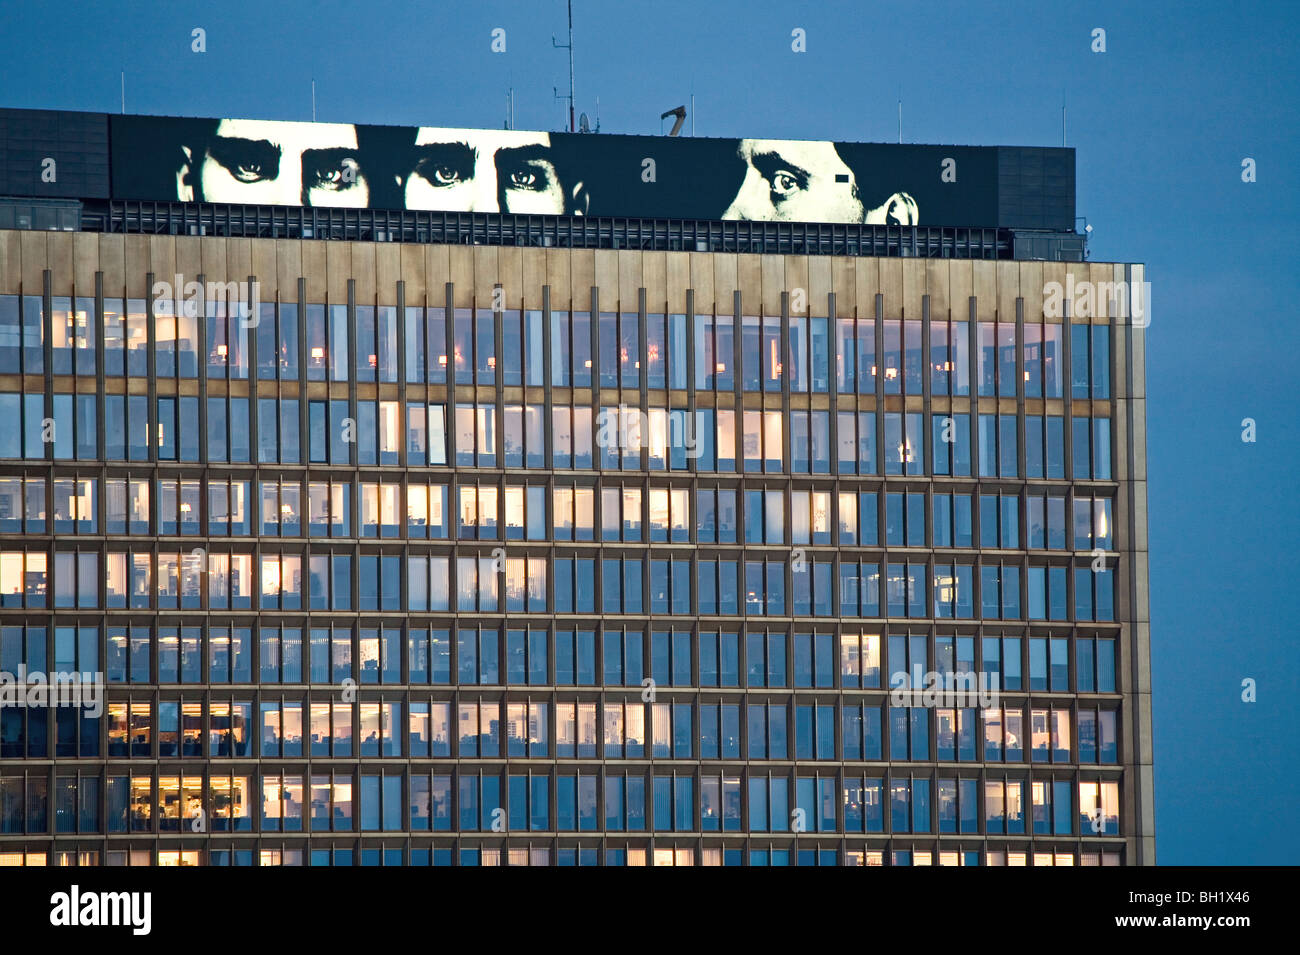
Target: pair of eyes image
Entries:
(532, 176)
(339, 169)
(250, 161)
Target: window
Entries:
(905, 519)
(1098, 807)
(950, 358)
(904, 444)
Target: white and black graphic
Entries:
(477, 170)
(808, 182)
(278, 164)
(260, 162)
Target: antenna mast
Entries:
(571, 66)
(568, 46)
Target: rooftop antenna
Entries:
(1062, 117)
(900, 118)
(692, 104)
(567, 46)
(313, 99)
(124, 91)
(510, 108)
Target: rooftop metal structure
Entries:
(547, 231)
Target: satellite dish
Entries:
(583, 125)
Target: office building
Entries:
(491, 511)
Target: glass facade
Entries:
(409, 582)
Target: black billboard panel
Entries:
(260, 162)
(53, 154)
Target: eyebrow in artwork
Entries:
(246, 158)
(522, 154)
(770, 163)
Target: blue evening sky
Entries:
(1161, 122)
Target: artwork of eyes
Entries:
(335, 169)
(785, 182)
(247, 160)
(445, 164)
(440, 175)
(528, 175)
(535, 175)
(429, 168)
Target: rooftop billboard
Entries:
(98, 156)
(259, 162)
